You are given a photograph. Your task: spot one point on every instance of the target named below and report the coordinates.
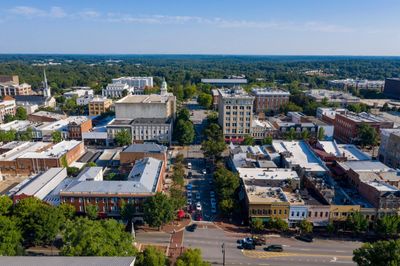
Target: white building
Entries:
(79, 93)
(117, 90)
(139, 83)
(129, 85)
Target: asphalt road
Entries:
(320, 252)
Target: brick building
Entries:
(269, 99)
(136, 152)
(78, 125)
(44, 116)
(99, 105)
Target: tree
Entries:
(357, 222)
(330, 228)
(184, 132)
(191, 257)
(183, 114)
(388, 225)
(7, 136)
(10, 237)
(367, 135)
(84, 237)
(205, 100)
(38, 221)
(257, 225)
(8, 118)
(214, 144)
(67, 211)
(305, 134)
(26, 135)
(158, 210)
(73, 171)
(248, 140)
(5, 205)
(189, 91)
(226, 184)
(321, 133)
(91, 164)
(125, 92)
(123, 138)
(178, 200)
(306, 227)
(291, 134)
(152, 257)
(21, 114)
(56, 136)
(128, 211)
(92, 212)
(291, 107)
(381, 253)
(267, 140)
(278, 224)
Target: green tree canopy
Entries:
(291, 134)
(128, 211)
(21, 114)
(367, 135)
(357, 222)
(5, 205)
(123, 138)
(84, 237)
(381, 253)
(306, 227)
(10, 237)
(184, 132)
(158, 210)
(205, 100)
(151, 256)
(388, 225)
(56, 136)
(214, 144)
(91, 212)
(321, 133)
(267, 140)
(191, 257)
(226, 184)
(248, 140)
(257, 225)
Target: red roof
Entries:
(8, 98)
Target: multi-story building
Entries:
(99, 105)
(270, 177)
(261, 129)
(136, 152)
(78, 125)
(269, 99)
(139, 83)
(7, 107)
(392, 88)
(357, 84)
(117, 90)
(339, 97)
(13, 89)
(44, 116)
(346, 125)
(230, 82)
(79, 92)
(123, 86)
(389, 149)
(235, 113)
(9, 78)
(298, 210)
(145, 179)
(34, 157)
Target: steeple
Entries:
(46, 88)
(164, 88)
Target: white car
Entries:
(198, 206)
(204, 171)
(189, 165)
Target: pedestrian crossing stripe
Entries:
(266, 254)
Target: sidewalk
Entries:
(176, 226)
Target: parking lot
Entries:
(201, 189)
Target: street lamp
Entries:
(223, 254)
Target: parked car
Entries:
(189, 193)
(189, 186)
(198, 216)
(198, 206)
(204, 171)
(213, 209)
(198, 196)
(305, 238)
(259, 240)
(191, 228)
(246, 245)
(190, 175)
(189, 165)
(274, 248)
(245, 240)
(212, 194)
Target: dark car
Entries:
(248, 246)
(259, 240)
(192, 228)
(305, 238)
(190, 175)
(274, 248)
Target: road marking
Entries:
(334, 259)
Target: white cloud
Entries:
(31, 12)
(89, 14)
(57, 12)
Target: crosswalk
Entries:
(265, 255)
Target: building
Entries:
(143, 129)
(14, 89)
(78, 125)
(215, 95)
(44, 116)
(136, 152)
(270, 177)
(235, 113)
(34, 157)
(269, 99)
(262, 129)
(83, 95)
(299, 156)
(7, 107)
(117, 90)
(330, 113)
(233, 82)
(139, 84)
(344, 84)
(145, 106)
(21, 126)
(340, 97)
(392, 88)
(99, 105)
(346, 125)
(318, 210)
(9, 78)
(266, 203)
(67, 261)
(389, 149)
(144, 180)
(298, 210)
(39, 186)
(340, 152)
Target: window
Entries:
(280, 211)
(253, 211)
(298, 214)
(321, 214)
(292, 214)
(309, 214)
(326, 214)
(274, 211)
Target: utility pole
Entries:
(223, 254)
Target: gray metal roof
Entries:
(225, 81)
(66, 261)
(146, 147)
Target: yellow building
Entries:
(266, 202)
(341, 212)
(99, 105)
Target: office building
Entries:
(137, 151)
(389, 149)
(77, 125)
(99, 105)
(7, 107)
(231, 82)
(136, 82)
(392, 88)
(345, 84)
(117, 90)
(340, 97)
(77, 92)
(235, 113)
(269, 99)
(13, 89)
(9, 78)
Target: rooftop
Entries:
(55, 151)
(262, 194)
(150, 147)
(294, 198)
(236, 92)
(145, 172)
(50, 115)
(18, 125)
(267, 173)
(351, 152)
(23, 149)
(99, 99)
(269, 91)
(90, 174)
(381, 186)
(152, 98)
(224, 81)
(66, 261)
(365, 166)
(119, 122)
(363, 117)
(299, 153)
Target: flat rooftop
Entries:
(294, 198)
(234, 93)
(50, 115)
(146, 173)
(55, 151)
(299, 154)
(267, 173)
(365, 166)
(269, 92)
(381, 186)
(23, 149)
(139, 121)
(150, 147)
(263, 195)
(18, 125)
(224, 81)
(364, 117)
(143, 99)
(351, 152)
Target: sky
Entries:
(253, 27)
